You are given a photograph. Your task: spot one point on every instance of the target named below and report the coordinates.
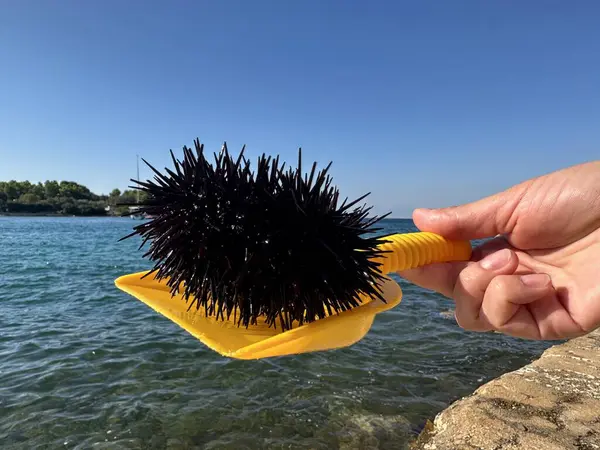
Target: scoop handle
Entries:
(411, 250)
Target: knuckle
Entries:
(499, 287)
(468, 283)
(470, 323)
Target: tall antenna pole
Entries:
(138, 177)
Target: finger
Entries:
(441, 277)
(484, 218)
(553, 319)
(491, 246)
(504, 299)
(438, 277)
(544, 318)
(472, 283)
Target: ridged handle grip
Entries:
(411, 250)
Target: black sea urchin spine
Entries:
(271, 243)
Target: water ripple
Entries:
(83, 365)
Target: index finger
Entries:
(442, 277)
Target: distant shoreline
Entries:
(23, 214)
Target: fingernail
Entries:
(496, 260)
(535, 280)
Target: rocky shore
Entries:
(550, 404)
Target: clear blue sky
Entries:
(421, 103)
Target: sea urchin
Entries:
(271, 243)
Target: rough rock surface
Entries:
(550, 404)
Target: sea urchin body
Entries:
(269, 243)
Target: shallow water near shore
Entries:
(84, 365)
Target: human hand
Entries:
(539, 277)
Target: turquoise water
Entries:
(83, 365)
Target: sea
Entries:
(86, 366)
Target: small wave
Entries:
(83, 365)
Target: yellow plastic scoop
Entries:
(406, 251)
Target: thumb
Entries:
(483, 218)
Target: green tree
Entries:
(13, 190)
(114, 197)
(70, 189)
(25, 187)
(65, 197)
(52, 189)
(128, 196)
(29, 198)
(38, 190)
